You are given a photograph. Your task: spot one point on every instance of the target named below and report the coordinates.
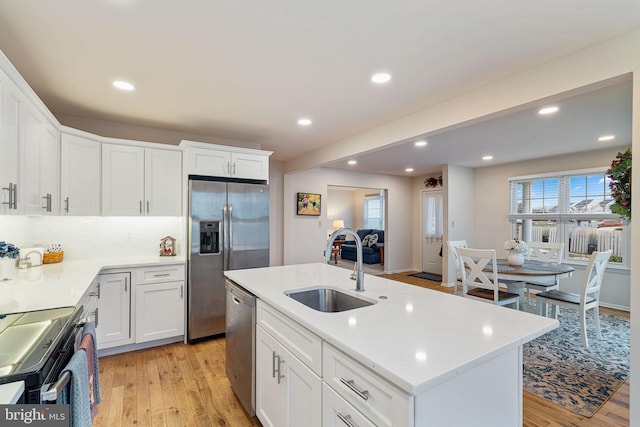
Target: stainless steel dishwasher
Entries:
(241, 338)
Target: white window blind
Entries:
(374, 212)
(571, 207)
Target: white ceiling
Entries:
(247, 70)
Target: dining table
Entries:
(516, 276)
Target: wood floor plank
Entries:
(143, 397)
(115, 406)
(156, 404)
(129, 404)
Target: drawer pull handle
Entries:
(280, 374)
(364, 394)
(162, 275)
(276, 366)
(273, 364)
(345, 419)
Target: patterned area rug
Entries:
(558, 368)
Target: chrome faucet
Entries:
(358, 274)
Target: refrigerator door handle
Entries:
(225, 235)
(230, 245)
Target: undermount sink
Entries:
(328, 300)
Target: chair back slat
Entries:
(546, 251)
(595, 273)
(472, 263)
(452, 245)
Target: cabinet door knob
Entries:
(66, 205)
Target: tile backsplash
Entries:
(93, 237)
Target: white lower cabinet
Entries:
(152, 311)
(114, 307)
(159, 311)
(302, 380)
(288, 393)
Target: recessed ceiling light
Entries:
(408, 170)
(381, 78)
(548, 110)
(122, 85)
(352, 162)
(420, 143)
(488, 157)
(607, 138)
(304, 122)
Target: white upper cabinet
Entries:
(122, 180)
(249, 166)
(79, 175)
(39, 148)
(227, 162)
(163, 182)
(29, 149)
(11, 100)
(141, 181)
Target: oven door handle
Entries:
(50, 393)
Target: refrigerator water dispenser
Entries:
(210, 237)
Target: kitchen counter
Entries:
(63, 284)
(415, 337)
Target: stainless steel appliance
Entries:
(228, 230)
(241, 337)
(36, 346)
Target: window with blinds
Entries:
(374, 212)
(571, 207)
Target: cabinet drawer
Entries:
(159, 274)
(304, 344)
(381, 402)
(337, 412)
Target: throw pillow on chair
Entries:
(373, 239)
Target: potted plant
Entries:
(620, 184)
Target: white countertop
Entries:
(11, 392)
(62, 284)
(416, 337)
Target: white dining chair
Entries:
(546, 252)
(587, 299)
(475, 282)
(451, 247)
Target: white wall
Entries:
(340, 206)
(460, 207)
(276, 221)
(305, 237)
(491, 223)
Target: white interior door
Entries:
(432, 217)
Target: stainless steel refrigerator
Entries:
(228, 230)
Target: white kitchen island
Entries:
(423, 357)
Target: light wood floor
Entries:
(186, 385)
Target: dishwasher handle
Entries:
(239, 295)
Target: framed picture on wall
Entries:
(308, 204)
